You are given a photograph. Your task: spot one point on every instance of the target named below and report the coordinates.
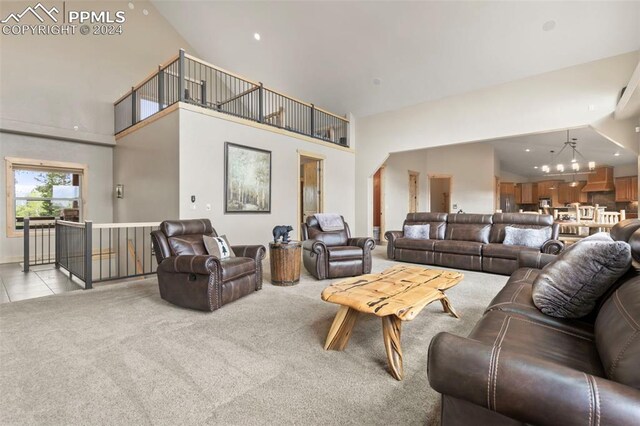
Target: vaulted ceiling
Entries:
(524, 155)
(369, 57)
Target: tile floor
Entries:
(40, 281)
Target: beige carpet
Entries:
(119, 354)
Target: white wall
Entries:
(146, 162)
(506, 176)
(100, 169)
(396, 186)
(472, 171)
(202, 140)
(546, 102)
(625, 170)
(52, 83)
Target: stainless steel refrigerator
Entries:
(508, 203)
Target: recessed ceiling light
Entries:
(131, 6)
(549, 25)
(256, 36)
(535, 167)
(617, 154)
(76, 128)
(145, 12)
(527, 150)
(377, 81)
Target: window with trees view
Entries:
(45, 194)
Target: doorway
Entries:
(310, 190)
(440, 194)
(413, 191)
(378, 203)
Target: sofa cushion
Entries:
(617, 331)
(504, 251)
(345, 253)
(187, 244)
(468, 227)
(236, 267)
(468, 232)
(417, 232)
(520, 220)
(458, 247)
(534, 238)
(516, 297)
(551, 343)
(437, 223)
(412, 244)
(218, 246)
(569, 287)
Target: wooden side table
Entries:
(285, 262)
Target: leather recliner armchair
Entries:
(334, 254)
(191, 278)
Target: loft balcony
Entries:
(185, 78)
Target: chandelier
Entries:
(573, 163)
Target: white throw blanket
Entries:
(330, 221)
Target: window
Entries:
(43, 190)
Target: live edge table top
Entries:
(401, 290)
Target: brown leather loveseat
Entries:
(519, 366)
(191, 278)
(469, 241)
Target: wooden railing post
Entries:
(313, 120)
(134, 116)
(88, 254)
(25, 248)
(203, 94)
(260, 103)
(181, 75)
(160, 88)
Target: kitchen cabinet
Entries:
(626, 188)
(518, 193)
(507, 188)
(529, 193)
(568, 194)
(548, 189)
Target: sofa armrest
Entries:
(256, 252)
(365, 243)
(552, 247)
(526, 388)
(531, 259)
(190, 264)
(314, 246)
(392, 236)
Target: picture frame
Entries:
(247, 179)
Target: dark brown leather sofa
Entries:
(189, 277)
(334, 254)
(519, 366)
(469, 241)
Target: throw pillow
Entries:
(570, 286)
(528, 237)
(218, 246)
(417, 232)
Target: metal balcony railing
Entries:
(185, 78)
(90, 252)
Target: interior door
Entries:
(310, 189)
(413, 192)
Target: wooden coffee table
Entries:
(397, 294)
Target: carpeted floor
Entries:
(119, 354)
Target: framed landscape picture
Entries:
(247, 179)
